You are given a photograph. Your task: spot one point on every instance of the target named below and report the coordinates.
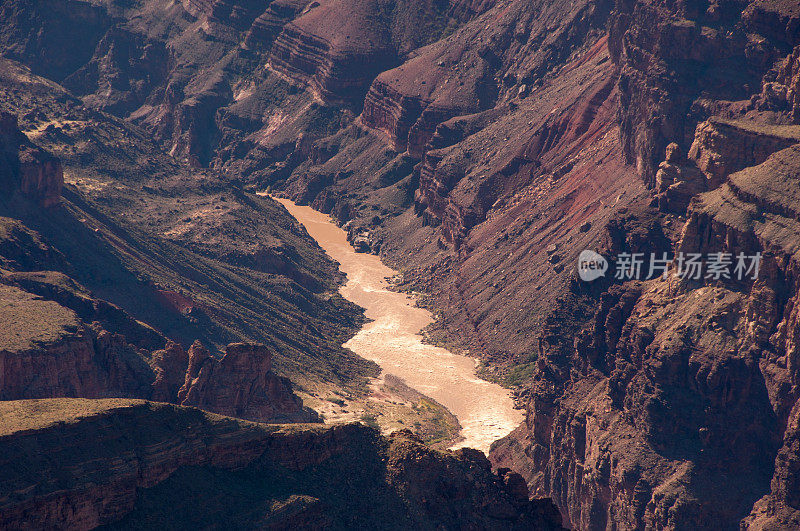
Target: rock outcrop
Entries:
(170, 366)
(781, 508)
(548, 150)
(26, 168)
(125, 68)
(59, 341)
(670, 56)
(268, 25)
(781, 95)
(222, 14)
(48, 351)
(680, 381)
(140, 232)
(42, 35)
(148, 443)
(495, 57)
(241, 384)
(334, 49)
(116, 461)
(678, 180)
(722, 147)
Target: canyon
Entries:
(475, 147)
(392, 339)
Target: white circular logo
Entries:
(591, 265)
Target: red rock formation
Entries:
(63, 369)
(550, 149)
(673, 55)
(680, 382)
(142, 461)
(268, 25)
(34, 172)
(47, 352)
(498, 187)
(41, 176)
(97, 493)
(335, 49)
(170, 367)
(722, 147)
(678, 180)
(470, 70)
(781, 94)
(789, 77)
(240, 384)
(408, 102)
(392, 113)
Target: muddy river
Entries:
(393, 340)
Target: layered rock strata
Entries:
(117, 459)
(679, 381)
(672, 55)
(334, 49)
(46, 351)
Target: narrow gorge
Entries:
(393, 340)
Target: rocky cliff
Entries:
(134, 463)
(335, 49)
(240, 384)
(459, 74)
(48, 350)
(185, 252)
(753, 212)
(640, 397)
(674, 58)
(27, 169)
(60, 338)
(638, 412)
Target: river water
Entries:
(393, 340)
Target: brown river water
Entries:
(393, 340)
